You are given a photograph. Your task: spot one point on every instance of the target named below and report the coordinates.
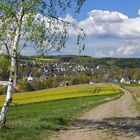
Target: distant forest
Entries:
(119, 62)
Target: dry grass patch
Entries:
(134, 90)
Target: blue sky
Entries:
(112, 28)
(128, 7)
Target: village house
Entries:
(125, 80)
(30, 78)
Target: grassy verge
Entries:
(129, 85)
(134, 89)
(137, 103)
(38, 120)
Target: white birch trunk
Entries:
(10, 90)
(16, 73)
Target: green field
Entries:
(61, 93)
(38, 120)
(129, 85)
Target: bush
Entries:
(3, 90)
(51, 82)
(24, 85)
(37, 84)
(80, 78)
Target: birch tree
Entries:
(34, 23)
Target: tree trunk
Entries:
(16, 74)
(10, 89)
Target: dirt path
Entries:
(115, 120)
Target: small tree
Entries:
(33, 23)
(4, 67)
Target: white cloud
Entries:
(70, 19)
(126, 51)
(106, 16)
(109, 34)
(100, 54)
(139, 12)
(111, 24)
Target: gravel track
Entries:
(114, 120)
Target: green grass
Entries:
(39, 120)
(129, 85)
(61, 93)
(137, 103)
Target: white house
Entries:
(30, 78)
(125, 81)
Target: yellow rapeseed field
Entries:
(61, 93)
(45, 59)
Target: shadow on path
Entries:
(118, 126)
